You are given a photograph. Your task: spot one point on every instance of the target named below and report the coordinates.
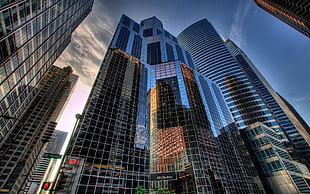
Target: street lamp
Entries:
(63, 159)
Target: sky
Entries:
(280, 53)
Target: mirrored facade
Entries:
(195, 147)
(233, 153)
(109, 142)
(213, 59)
(33, 33)
(295, 129)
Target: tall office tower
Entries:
(32, 36)
(146, 114)
(52, 149)
(246, 93)
(295, 129)
(21, 150)
(294, 13)
(214, 60)
(107, 155)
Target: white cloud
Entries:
(236, 32)
(303, 99)
(84, 54)
(88, 45)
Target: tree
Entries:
(140, 190)
(160, 190)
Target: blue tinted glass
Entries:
(122, 39)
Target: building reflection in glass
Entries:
(175, 128)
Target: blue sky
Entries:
(281, 53)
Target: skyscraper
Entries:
(214, 60)
(233, 153)
(150, 122)
(22, 149)
(247, 94)
(295, 129)
(32, 36)
(294, 13)
(106, 155)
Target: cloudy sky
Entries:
(281, 53)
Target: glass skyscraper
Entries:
(109, 154)
(248, 95)
(214, 60)
(294, 127)
(33, 33)
(152, 120)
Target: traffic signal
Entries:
(46, 185)
(62, 182)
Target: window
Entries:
(148, 32)
(122, 39)
(170, 54)
(153, 53)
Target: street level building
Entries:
(278, 172)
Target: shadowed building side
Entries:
(294, 13)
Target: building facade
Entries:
(106, 155)
(32, 36)
(294, 13)
(248, 95)
(22, 149)
(233, 153)
(149, 122)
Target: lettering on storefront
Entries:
(164, 176)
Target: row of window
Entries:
(265, 154)
(30, 79)
(273, 166)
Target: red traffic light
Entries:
(46, 185)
